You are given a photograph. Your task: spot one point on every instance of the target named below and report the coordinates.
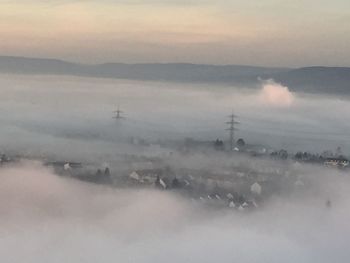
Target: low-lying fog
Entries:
(69, 115)
(47, 218)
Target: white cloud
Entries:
(276, 95)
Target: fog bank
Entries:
(46, 218)
(68, 115)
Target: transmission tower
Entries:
(118, 114)
(231, 123)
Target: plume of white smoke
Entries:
(276, 95)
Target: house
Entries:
(146, 175)
(64, 165)
(340, 162)
(256, 188)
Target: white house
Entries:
(256, 188)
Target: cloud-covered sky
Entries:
(264, 32)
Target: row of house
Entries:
(206, 190)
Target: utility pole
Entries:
(118, 114)
(232, 129)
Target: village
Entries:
(240, 180)
(230, 174)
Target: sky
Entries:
(288, 33)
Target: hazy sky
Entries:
(261, 32)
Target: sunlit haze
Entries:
(150, 131)
(267, 32)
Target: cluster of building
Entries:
(239, 187)
(207, 190)
(4, 159)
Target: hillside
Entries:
(309, 79)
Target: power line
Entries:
(232, 129)
(118, 114)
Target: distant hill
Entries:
(317, 79)
(22, 65)
(309, 79)
(175, 72)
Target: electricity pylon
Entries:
(118, 114)
(232, 129)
